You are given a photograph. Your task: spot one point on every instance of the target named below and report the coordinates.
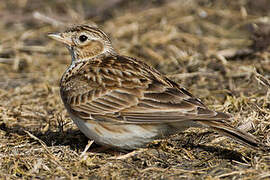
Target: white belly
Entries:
(125, 136)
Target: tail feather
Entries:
(219, 124)
(234, 133)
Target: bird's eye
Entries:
(83, 38)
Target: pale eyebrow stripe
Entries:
(94, 30)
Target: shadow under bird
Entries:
(122, 102)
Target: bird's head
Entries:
(84, 42)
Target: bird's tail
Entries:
(224, 128)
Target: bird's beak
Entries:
(59, 37)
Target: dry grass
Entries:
(219, 50)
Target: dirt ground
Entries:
(218, 50)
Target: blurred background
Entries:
(218, 50)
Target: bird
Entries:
(121, 102)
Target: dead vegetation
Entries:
(219, 50)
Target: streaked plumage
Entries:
(122, 102)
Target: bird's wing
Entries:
(122, 89)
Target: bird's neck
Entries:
(78, 61)
(91, 51)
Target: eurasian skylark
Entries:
(121, 102)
